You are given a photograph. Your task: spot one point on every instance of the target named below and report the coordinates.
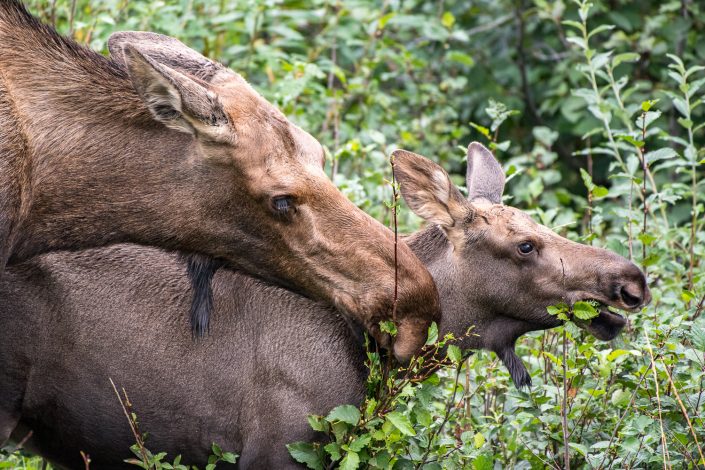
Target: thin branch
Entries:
(126, 408)
(645, 169)
(699, 308)
(564, 405)
(72, 16)
(86, 460)
(664, 446)
(685, 413)
(449, 406)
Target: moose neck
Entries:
(93, 166)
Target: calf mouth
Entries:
(606, 326)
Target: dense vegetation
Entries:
(594, 109)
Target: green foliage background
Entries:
(601, 89)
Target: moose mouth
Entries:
(605, 326)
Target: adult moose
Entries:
(162, 146)
(274, 356)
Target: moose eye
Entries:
(525, 248)
(282, 205)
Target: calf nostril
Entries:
(629, 299)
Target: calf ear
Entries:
(178, 101)
(428, 190)
(485, 177)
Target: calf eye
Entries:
(282, 205)
(525, 248)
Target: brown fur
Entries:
(274, 357)
(160, 146)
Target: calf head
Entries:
(497, 270)
(265, 203)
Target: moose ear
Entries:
(428, 190)
(178, 101)
(167, 51)
(485, 177)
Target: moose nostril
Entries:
(629, 299)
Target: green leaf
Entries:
(687, 123)
(483, 462)
(660, 154)
(448, 20)
(578, 41)
(646, 238)
(482, 130)
(600, 191)
(229, 457)
(217, 451)
(385, 19)
(317, 423)
(645, 120)
(461, 58)
(304, 452)
(388, 326)
(360, 443)
(558, 308)
(432, 334)
(627, 138)
(698, 337)
(599, 29)
(583, 450)
(625, 57)
(401, 422)
(478, 440)
(350, 462)
(587, 180)
(333, 449)
(454, 354)
(346, 413)
(621, 398)
(687, 295)
(575, 24)
(646, 105)
(584, 311)
(615, 354)
(423, 417)
(371, 405)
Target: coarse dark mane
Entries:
(201, 270)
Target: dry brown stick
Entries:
(685, 413)
(645, 169)
(395, 201)
(23, 441)
(133, 424)
(664, 446)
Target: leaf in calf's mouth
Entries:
(591, 316)
(598, 320)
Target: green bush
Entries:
(594, 111)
